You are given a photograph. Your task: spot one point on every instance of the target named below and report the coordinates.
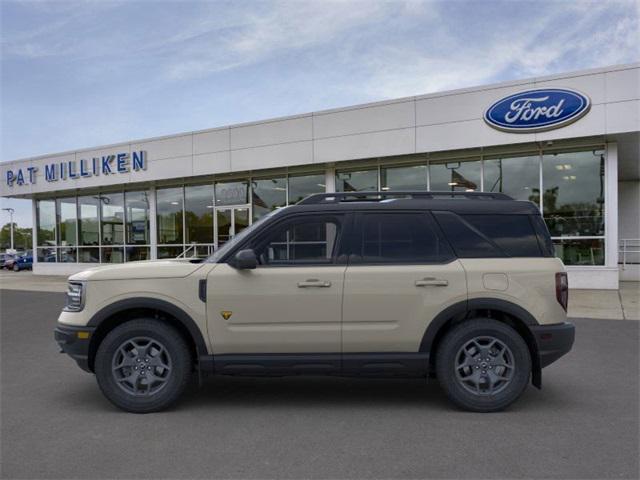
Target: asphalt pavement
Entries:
(56, 424)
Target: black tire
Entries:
(453, 364)
(169, 388)
(16, 268)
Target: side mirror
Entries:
(244, 260)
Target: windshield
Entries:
(231, 244)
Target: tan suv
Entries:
(461, 286)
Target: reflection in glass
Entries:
(137, 253)
(224, 217)
(455, 176)
(404, 178)
(46, 218)
(232, 193)
(169, 206)
(89, 255)
(268, 194)
(88, 220)
(112, 255)
(112, 218)
(574, 193)
(47, 254)
(169, 252)
(67, 222)
(357, 181)
(137, 217)
(240, 220)
(518, 177)
(580, 251)
(301, 186)
(67, 254)
(198, 213)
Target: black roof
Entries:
(458, 202)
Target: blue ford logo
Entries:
(537, 110)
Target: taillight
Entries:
(562, 289)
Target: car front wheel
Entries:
(143, 366)
(483, 365)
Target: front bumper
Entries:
(553, 341)
(74, 341)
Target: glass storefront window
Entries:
(232, 193)
(518, 177)
(412, 177)
(301, 186)
(357, 181)
(169, 207)
(112, 218)
(112, 255)
(46, 218)
(67, 255)
(89, 255)
(573, 199)
(137, 218)
(67, 221)
(580, 251)
(455, 176)
(134, 254)
(169, 252)
(267, 194)
(47, 255)
(88, 228)
(198, 213)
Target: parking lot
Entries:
(56, 424)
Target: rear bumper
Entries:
(553, 341)
(72, 341)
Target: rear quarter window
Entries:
(485, 236)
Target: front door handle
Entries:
(314, 283)
(432, 282)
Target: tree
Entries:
(21, 237)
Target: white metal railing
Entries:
(192, 250)
(629, 251)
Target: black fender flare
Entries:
(154, 304)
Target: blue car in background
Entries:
(23, 262)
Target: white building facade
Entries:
(569, 143)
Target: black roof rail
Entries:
(336, 197)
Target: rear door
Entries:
(401, 274)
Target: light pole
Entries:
(11, 212)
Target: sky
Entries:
(79, 74)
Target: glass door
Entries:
(229, 222)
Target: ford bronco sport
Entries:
(461, 286)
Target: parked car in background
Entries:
(7, 260)
(23, 262)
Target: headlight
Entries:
(75, 297)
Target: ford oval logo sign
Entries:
(537, 110)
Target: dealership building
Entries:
(569, 143)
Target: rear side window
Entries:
(399, 238)
(482, 236)
(467, 241)
(514, 234)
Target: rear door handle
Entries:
(313, 283)
(432, 282)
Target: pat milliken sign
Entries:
(537, 110)
(115, 164)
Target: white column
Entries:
(34, 234)
(330, 179)
(153, 218)
(611, 205)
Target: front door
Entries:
(229, 222)
(291, 303)
(400, 276)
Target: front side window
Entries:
(399, 238)
(302, 241)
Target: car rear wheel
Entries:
(143, 366)
(483, 365)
